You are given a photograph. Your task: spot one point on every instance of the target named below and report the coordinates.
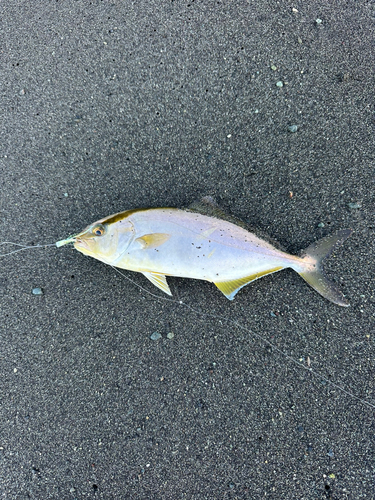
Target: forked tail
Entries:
(314, 256)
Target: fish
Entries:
(201, 242)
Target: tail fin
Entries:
(315, 277)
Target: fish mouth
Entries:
(78, 243)
(76, 238)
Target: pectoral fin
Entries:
(230, 288)
(153, 240)
(159, 280)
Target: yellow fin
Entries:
(159, 280)
(153, 240)
(230, 288)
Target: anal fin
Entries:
(159, 280)
(230, 288)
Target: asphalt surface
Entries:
(112, 105)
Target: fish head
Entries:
(104, 240)
(98, 241)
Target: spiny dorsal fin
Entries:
(208, 206)
(159, 280)
(230, 288)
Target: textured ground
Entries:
(109, 105)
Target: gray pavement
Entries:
(111, 105)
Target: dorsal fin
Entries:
(208, 206)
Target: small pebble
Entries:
(293, 128)
(155, 336)
(170, 335)
(273, 67)
(321, 224)
(318, 21)
(256, 111)
(354, 205)
(330, 453)
(66, 195)
(37, 291)
(279, 84)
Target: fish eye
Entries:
(98, 230)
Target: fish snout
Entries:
(79, 243)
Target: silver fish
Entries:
(160, 242)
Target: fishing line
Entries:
(264, 340)
(208, 315)
(24, 247)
